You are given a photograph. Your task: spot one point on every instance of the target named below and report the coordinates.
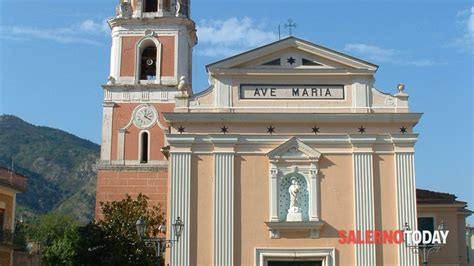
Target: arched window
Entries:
(150, 6)
(144, 147)
(148, 63)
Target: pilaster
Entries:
(107, 120)
(406, 191)
(360, 93)
(116, 56)
(121, 145)
(180, 193)
(223, 199)
(315, 202)
(364, 196)
(223, 94)
(273, 193)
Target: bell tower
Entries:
(151, 54)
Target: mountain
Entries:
(61, 168)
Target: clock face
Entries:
(145, 116)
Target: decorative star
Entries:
(224, 129)
(361, 129)
(270, 129)
(180, 129)
(403, 130)
(291, 60)
(315, 130)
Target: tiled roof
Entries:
(431, 197)
(12, 179)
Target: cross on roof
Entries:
(290, 25)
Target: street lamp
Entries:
(141, 227)
(425, 249)
(159, 244)
(178, 227)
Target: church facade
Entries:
(290, 145)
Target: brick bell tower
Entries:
(152, 42)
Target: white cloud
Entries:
(231, 36)
(466, 41)
(90, 26)
(470, 23)
(86, 32)
(385, 55)
(375, 52)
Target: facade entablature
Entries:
(336, 132)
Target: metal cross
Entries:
(290, 25)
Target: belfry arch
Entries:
(148, 60)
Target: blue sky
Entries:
(54, 55)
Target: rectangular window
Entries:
(426, 224)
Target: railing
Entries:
(7, 237)
(13, 179)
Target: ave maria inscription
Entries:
(310, 92)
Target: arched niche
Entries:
(303, 197)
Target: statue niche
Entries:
(293, 198)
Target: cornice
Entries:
(136, 87)
(290, 72)
(201, 117)
(117, 21)
(263, 144)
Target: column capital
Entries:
(108, 104)
(224, 143)
(404, 143)
(363, 143)
(313, 170)
(180, 144)
(273, 171)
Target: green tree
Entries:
(114, 240)
(57, 235)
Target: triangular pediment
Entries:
(291, 58)
(294, 149)
(292, 53)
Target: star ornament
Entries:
(181, 129)
(291, 60)
(361, 129)
(403, 130)
(315, 130)
(224, 129)
(270, 129)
